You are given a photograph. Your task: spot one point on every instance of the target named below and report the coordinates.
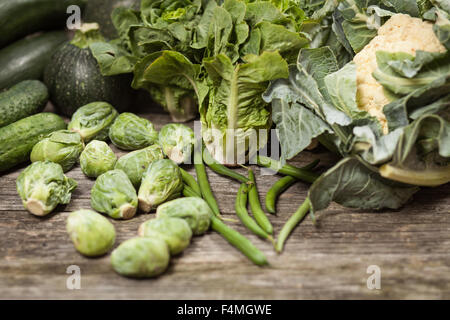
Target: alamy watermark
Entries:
(73, 282)
(74, 20)
(374, 280)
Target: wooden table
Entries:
(330, 260)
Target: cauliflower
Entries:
(401, 33)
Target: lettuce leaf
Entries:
(235, 102)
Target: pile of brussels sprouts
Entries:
(142, 179)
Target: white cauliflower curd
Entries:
(401, 33)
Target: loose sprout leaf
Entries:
(352, 184)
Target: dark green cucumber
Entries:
(74, 79)
(26, 59)
(100, 11)
(22, 100)
(18, 139)
(19, 18)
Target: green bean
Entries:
(288, 170)
(239, 241)
(255, 205)
(202, 179)
(278, 188)
(222, 170)
(232, 236)
(189, 192)
(190, 181)
(242, 213)
(290, 225)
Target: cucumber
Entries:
(23, 100)
(26, 59)
(19, 18)
(18, 139)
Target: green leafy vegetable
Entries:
(42, 186)
(63, 147)
(236, 103)
(352, 184)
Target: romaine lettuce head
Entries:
(235, 115)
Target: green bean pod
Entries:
(239, 241)
(232, 236)
(288, 170)
(255, 205)
(205, 188)
(242, 213)
(274, 192)
(189, 192)
(290, 225)
(222, 170)
(190, 181)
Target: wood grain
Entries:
(328, 260)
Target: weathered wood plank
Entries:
(328, 260)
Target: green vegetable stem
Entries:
(242, 213)
(202, 179)
(190, 182)
(233, 237)
(239, 241)
(290, 225)
(255, 205)
(303, 174)
(222, 170)
(276, 190)
(189, 192)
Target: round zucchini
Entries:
(74, 79)
(18, 139)
(19, 18)
(22, 100)
(26, 59)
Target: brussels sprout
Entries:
(175, 232)
(130, 132)
(177, 142)
(114, 195)
(135, 163)
(141, 257)
(194, 210)
(97, 158)
(93, 120)
(91, 233)
(62, 147)
(161, 182)
(42, 186)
